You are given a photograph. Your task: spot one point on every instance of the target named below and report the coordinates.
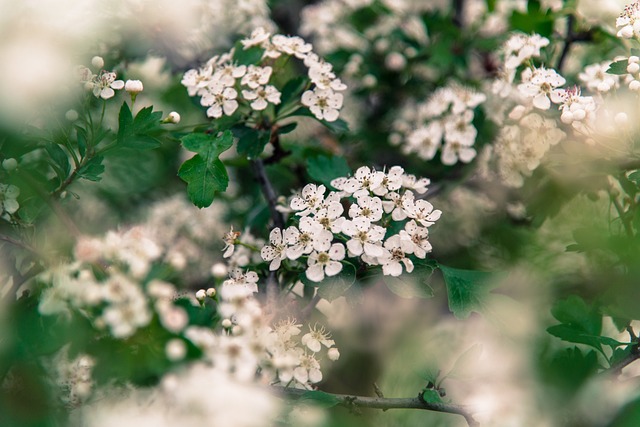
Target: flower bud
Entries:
(9, 164)
(211, 292)
(71, 115)
(134, 87)
(219, 270)
(172, 117)
(97, 62)
(201, 295)
(226, 323)
(176, 350)
(333, 354)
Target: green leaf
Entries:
(324, 169)
(335, 286)
(635, 178)
(204, 173)
(570, 368)
(491, 5)
(92, 169)
(291, 93)
(288, 128)
(242, 56)
(466, 289)
(251, 142)
(320, 398)
(430, 395)
(618, 68)
(59, 156)
(579, 324)
(414, 284)
(134, 132)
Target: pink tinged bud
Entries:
(133, 86)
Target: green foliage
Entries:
(324, 169)
(333, 287)
(535, 20)
(579, 324)
(251, 142)
(466, 290)
(242, 56)
(135, 132)
(569, 368)
(204, 173)
(618, 67)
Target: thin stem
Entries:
(19, 243)
(622, 215)
(268, 192)
(350, 401)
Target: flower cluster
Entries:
(221, 83)
(596, 79)
(520, 48)
(249, 345)
(117, 299)
(443, 122)
(376, 199)
(628, 23)
(395, 35)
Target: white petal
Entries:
(315, 273)
(333, 268)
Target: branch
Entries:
(19, 243)
(268, 192)
(458, 13)
(571, 38)
(306, 311)
(383, 403)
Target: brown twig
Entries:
(350, 401)
(268, 192)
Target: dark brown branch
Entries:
(458, 13)
(571, 38)
(417, 402)
(617, 367)
(268, 192)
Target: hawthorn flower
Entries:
(197, 80)
(276, 251)
(395, 257)
(311, 200)
(521, 47)
(365, 237)
(457, 150)
(237, 279)
(310, 236)
(103, 85)
(417, 238)
(541, 87)
(308, 371)
(228, 73)
(316, 338)
(367, 207)
(394, 205)
(363, 181)
(596, 78)
(321, 263)
(256, 76)
(257, 38)
(261, 96)
(330, 216)
(229, 241)
(576, 108)
(323, 103)
(629, 21)
(425, 141)
(220, 100)
(295, 46)
(422, 211)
